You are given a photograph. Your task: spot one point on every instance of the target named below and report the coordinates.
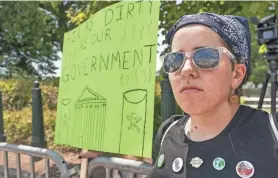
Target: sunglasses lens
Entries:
(173, 62)
(206, 58)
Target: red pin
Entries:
(245, 169)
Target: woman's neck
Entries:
(208, 125)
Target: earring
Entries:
(233, 98)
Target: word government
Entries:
(111, 61)
(121, 60)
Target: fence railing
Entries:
(33, 153)
(118, 167)
(253, 102)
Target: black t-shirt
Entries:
(248, 138)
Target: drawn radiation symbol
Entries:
(133, 122)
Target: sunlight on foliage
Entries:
(262, 49)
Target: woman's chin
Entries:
(193, 109)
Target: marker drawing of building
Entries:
(90, 113)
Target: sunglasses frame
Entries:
(190, 54)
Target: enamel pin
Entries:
(160, 161)
(218, 163)
(245, 169)
(177, 164)
(196, 162)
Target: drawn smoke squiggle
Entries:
(133, 34)
(136, 75)
(149, 27)
(145, 77)
(122, 80)
(124, 35)
(89, 24)
(142, 76)
(141, 31)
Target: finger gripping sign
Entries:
(106, 89)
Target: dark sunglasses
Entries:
(204, 58)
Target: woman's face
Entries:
(198, 91)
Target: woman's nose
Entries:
(189, 69)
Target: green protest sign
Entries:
(106, 92)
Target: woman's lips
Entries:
(190, 89)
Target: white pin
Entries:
(177, 164)
(245, 169)
(196, 162)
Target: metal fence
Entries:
(117, 168)
(34, 153)
(100, 167)
(114, 167)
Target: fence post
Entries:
(168, 103)
(38, 139)
(2, 133)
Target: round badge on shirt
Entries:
(245, 169)
(218, 163)
(160, 161)
(196, 162)
(177, 164)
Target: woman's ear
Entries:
(239, 73)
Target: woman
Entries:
(209, 62)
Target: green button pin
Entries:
(160, 161)
(218, 163)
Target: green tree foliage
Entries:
(26, 43)
(31, 33)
